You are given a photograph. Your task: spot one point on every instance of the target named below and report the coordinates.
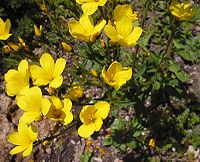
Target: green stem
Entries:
(144, 16)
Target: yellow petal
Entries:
(56, 102)
(100, 26)
(103, 108)
(77, 30)
(15, 82)
(5, 36)
(59, 67)
(29, 117)
(39, 76)
(89, 8)
(98, 123)
(122, 10)
(111, 32)
(86, 130)
(113, 69)
(56, 82)
(122, 77)
(67, 104)
(134, 36)
(45, 106)
(23, 68)
(17, 149)
(47, 63)
(7, 26)
(124, 27)
(68, 117)
(102, 2)
(28, 150)
(15, 139)
(88, 24)
(31, 100)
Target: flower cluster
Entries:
(31, 101)
(125, 33)
(30, 80)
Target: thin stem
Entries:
(56, 135)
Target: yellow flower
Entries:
(49, 72)
(124, 10)
(33, 104)
(116, 75)
(38, 31)
(85, 29)
(17, 80)
(5, 29)
(125, 33)
(152, 142)
(66, 47)
(182, 11)
(90, 6)
(75, 93)
(92, 118)
(23, 138)
(60, 110)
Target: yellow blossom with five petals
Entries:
(116, 75)
(182, 11)
(90, 6)
(92, 118)
(5, 29)
(23, 138)
(33, 104)
(49, 72)
(60, 110)
(125, 33)
(85, 29)
(17, 80)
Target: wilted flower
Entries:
(182, 11)
(92, 118)
(85, 29)
(17, 80)
(5, 29)
(49, 72)
(60, 110)
(75, 93)
(38, 31)
(22, 44)
(66, 47)
(125, 33)
(33, 103)
(23, 138)
(11, 47)
(121, 11)
(116, 75)
(90, 6)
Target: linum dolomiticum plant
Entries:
(52, 60)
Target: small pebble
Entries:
(48, 150)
